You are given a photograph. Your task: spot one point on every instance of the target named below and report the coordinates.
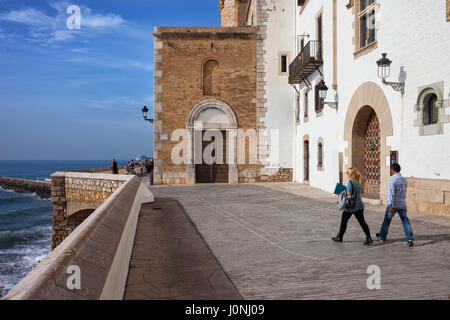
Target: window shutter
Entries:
(434, 112)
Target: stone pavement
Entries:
(273, 241)
(171, 260)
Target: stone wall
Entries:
(276, 175)
(429, 196)
(41, 188)
(233, 12)
(75, 195)
(448, 10)
(180, 53)
(100, 247)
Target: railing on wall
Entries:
(306, 62)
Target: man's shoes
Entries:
(337, 239)
(379, 238)
(368, 242)
(410, 243)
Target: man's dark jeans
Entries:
(387, 222)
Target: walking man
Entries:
(396, 203)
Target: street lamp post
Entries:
(145, 114)
(384, 71)
(323, 90)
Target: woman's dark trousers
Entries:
(359, 215)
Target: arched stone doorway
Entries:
(213, 118)
(368, 123)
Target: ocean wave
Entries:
(22, 196)
(26, 211)
(34, 235)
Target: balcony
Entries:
(308, 60)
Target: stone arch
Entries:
(217, 104)
(211, 77)
(425, 92)
(422, 121)
(74, 220)
(220, 117)
(369, 96)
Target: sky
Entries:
(69, 93)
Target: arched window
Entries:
(430, 110)
(320, 155)
(211, 77)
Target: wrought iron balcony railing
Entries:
(308, 60)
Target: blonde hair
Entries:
(354, 174)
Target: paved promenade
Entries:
(273, 241)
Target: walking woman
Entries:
(354, 187)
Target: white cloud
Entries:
(121, 103)
(51, 29)
(28, 16)
(101, 21)
(81, 50)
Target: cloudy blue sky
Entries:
(76, 94)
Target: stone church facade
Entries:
(214, 78)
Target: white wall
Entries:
(280, 115)
(322, 125)
(415, 36)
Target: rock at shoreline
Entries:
(41, 188)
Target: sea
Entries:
(26, 219)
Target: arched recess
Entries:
(306, 168)
(77, 218)
(369, 96)
(320, 154)
(211, 77)
(212, 114)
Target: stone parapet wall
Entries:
(429, 196)
(74, 195)
(41, 188)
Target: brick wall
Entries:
(448, 10)
(179, 56)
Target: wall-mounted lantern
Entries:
(323, 90)
(145, 114)
(384, 71)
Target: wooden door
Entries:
(216, 172)
(306, 160)
(372, 157)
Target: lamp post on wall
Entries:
(384, 71)
(145, 114)
(323, 90)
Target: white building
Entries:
(374, 123)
